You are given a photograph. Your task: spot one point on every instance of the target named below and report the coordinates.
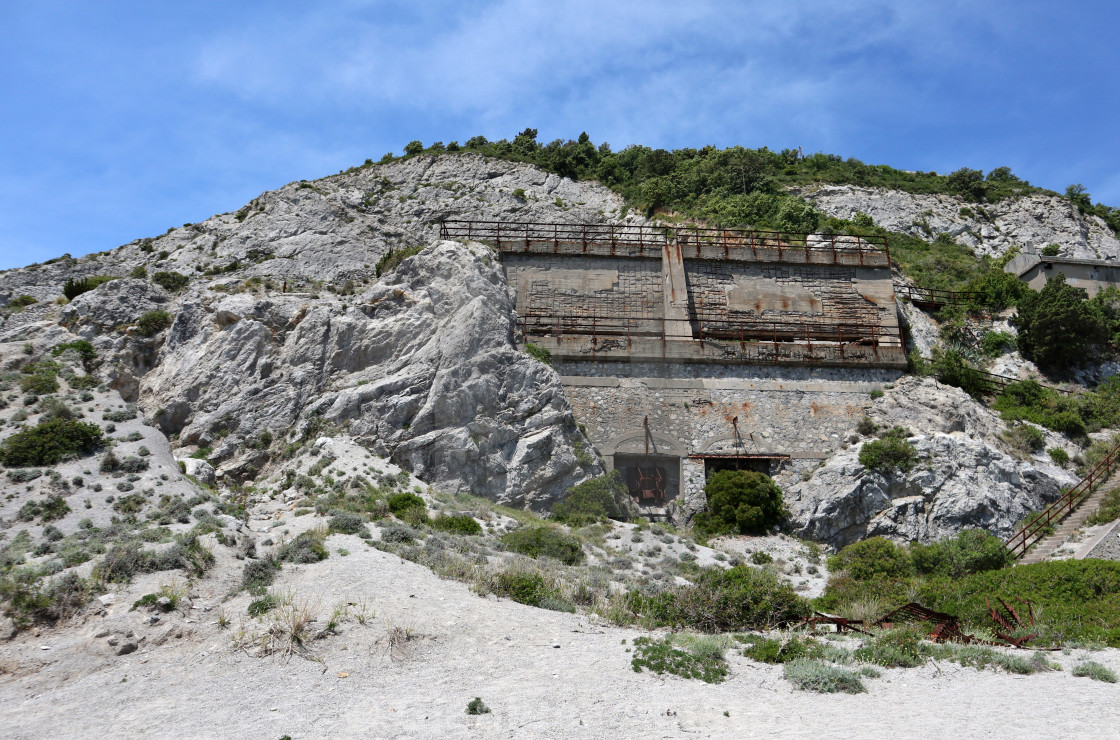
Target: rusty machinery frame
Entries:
(625, 240)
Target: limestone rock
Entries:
(964, 480)
(200, 470)
(1032, 222)
(115, 303)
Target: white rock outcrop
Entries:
(963, 480)
(1031, 222)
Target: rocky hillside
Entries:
(1031, 222)
(966, 474)
(332, 307)
(284, 328)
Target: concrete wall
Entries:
(1091, 277)
(805, 413)
(656, 377)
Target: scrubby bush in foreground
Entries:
(661, 656)
(547, 541)
(724, 600)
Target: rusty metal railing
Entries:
(1032, 532)
(621, 240)
(783, 246)
(743, 330)
(626, 240)
(938, 297)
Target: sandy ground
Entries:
(544, 675)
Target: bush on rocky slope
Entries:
(50, 442)
(592, 501)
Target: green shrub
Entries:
(738, 598)
(258, 575)
(994, 343)
(971, 551)
(82, 346)
(545, 541)
(138, 273)
(262, 606)
(953, 368)
(812, 675)
(344, 522)
(1077, 599)
(592, 501)
(523, 587)
(740, 502)
(39, 384)
(49, 443)
(761, 558)
(1025, 438)
(30, 602)
(460, 524)
(123, 561)
(866, 426)
(519, 193)
(403, 501)
(50, 509)
(170, 281)
(1096, 671)
(413, 147)
(1051, 250)
(307, 547)
(898, 648)
(538, 353)
(875, 558)
(889, 453)
(1059, 327)
(660, 656)
(73, 288)
(475, 705)
(22, 301)
(1109, 510)
(1059, 456)
(776, 651)
(153, 322)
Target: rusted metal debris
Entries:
(1010, 620)
(945, 627)
(842, 624)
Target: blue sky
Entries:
(120, 119)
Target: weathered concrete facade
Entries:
(783, 421)
(1091, 275)
(677, 367)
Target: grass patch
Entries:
(661, 656)
(807, 674)
(1096, 671)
